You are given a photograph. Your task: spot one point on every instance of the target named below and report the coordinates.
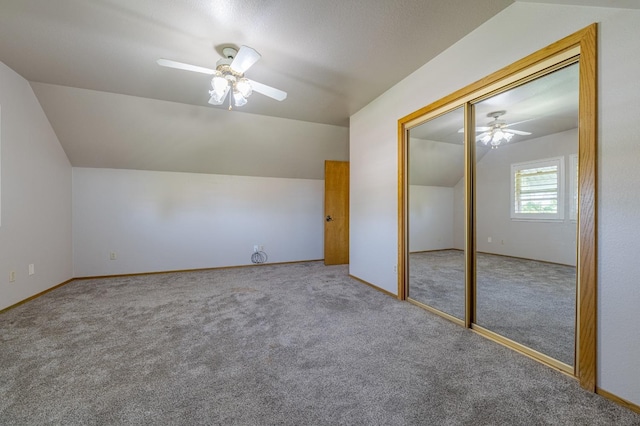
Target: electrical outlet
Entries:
(32, 269)
(395, 268)
(113, 255)
(489, 239)
(256, 248)
(502, 242)
(12, 276)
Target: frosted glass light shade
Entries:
(239, 100)
(244, 87)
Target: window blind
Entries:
(536, 190)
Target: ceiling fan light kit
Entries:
(496, 132)
(495, 138)
(224, 79)
(229, 77)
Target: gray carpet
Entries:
(298, 344)
(530, 302)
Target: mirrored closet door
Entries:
(526, 143)
(436, 195)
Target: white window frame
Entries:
(547, 162)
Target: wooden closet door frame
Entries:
(581, 44)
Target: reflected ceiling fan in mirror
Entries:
(497, 131)
(229, 77)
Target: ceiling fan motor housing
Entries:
(229, 53)
(496, 114)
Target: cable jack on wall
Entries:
(259, 257)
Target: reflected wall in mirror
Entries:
(436, 196)
(526, 210)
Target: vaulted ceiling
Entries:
(92, 65)
(332, 57)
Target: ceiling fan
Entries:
(229, 77)
(497, 131)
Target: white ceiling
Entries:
(331, 56)
(91, 61)
(622, 4)
(106, 130)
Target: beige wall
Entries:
(162, 221)
(35, 207)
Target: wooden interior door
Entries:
(336, 212)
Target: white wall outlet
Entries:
(113, 255)
(32, 269)
(12, 276)
(502, 242)
(489, 239)
(256, 248)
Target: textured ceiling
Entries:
(92, 64)
(332, 56)
(107, 130)
(622, 4)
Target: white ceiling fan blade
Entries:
(269, 91)
(519, 122)
(478, 129)
(182, 66)
(516, 132)
(244, 59)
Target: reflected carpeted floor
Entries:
(530, 302)
(299, 344)
(436, 278)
